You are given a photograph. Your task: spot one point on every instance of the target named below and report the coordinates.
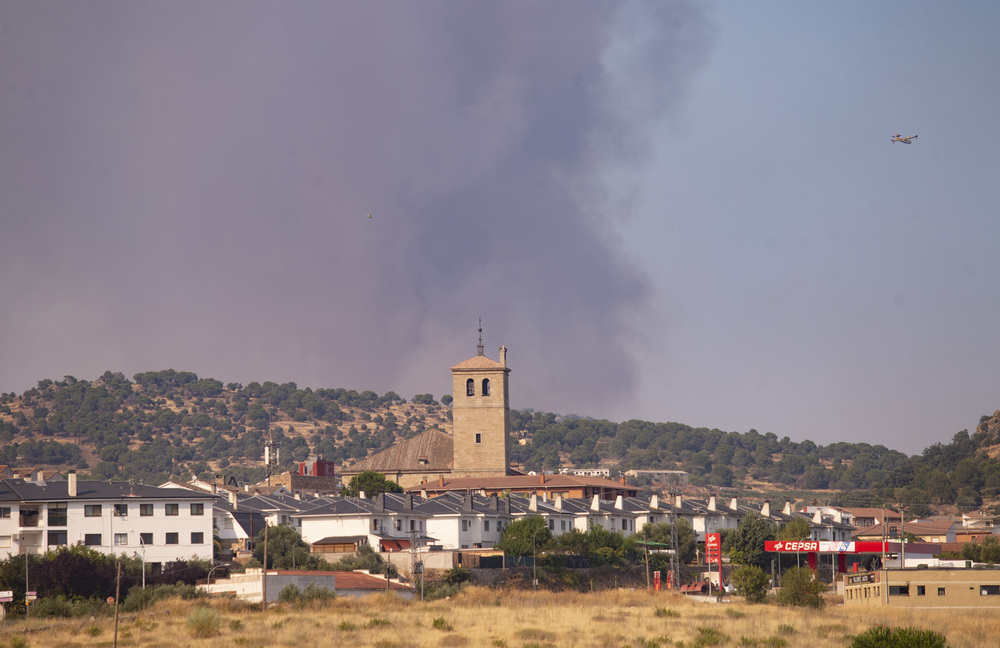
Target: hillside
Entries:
(170, 424)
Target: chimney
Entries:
(711, 503)
(595, 504)
(558, 501)
(71, 486)
(362, 495)
(733, 504)
(441, 481)
(541, 477)
(533, 502)
(654, 501)
(765, 510)
(838, 516)
(423, 493)
(233, 500)
(818, 518)
(622, 480)
(408, 502)
(788, 508)
(619, 503)
(503, 356)
(679, 502)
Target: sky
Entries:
(670, 211)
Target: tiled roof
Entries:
(478, 362)
(520, 482)
(27, 491)
(434, 448)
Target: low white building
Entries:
(157, 524)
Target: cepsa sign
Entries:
(791, 545)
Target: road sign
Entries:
(30, 596)
(822, 546)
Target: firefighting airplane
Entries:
(905, 140)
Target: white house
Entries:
(158, 524)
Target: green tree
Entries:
(286, 550)
(371, 483)
(797, 529)
(801, 588)
(687, 541)
(745, 545)
(517, 537)
(751, 583)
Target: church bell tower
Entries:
(481, 415)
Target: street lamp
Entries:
(210, 573)
(534, 559)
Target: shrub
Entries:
(204, 622)
(666, 612)
(289, 594)
(140, 599)
(441, 624)
(882, 637)
(800, 587)
(751, 583)
(457, 576)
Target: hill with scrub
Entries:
(173, 424)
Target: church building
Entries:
(476, 456)
(479, 444)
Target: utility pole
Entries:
(263, 574)
(118, 591)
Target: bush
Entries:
(751, 583)
(140, 599)
(62, 608)
(800, 587)
(882, 637)
(204, 622)
(457, 576)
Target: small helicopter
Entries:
(896, 137)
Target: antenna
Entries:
(480, 346)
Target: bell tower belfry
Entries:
(481, 415)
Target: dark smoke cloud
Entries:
(185, 185)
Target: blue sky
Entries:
(672, 211)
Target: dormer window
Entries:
(486, 386)
(470, 387)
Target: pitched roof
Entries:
(29, 491)
(478, 362)
(427, 452)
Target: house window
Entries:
(624, 524)
(470, 387)
(121, 539)
(921, 590)
(552, 525)
(171, 538)
(411, 525)
(374, 525)
(465, 525)
(4, 511)
(562, 525)
(197, 509)
(989, 590)
(145, 539)
(92, 539)
(57, 514)
(900, 590)
(145, 510)
(4, 541)
(57, 538)
(486, 386)
(940, 591)
(399, 525)
(479, 438)
(171, 509)
(197, 537)
(121, 510)
(92, 510)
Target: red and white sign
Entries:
(791, 545)
(713, 548)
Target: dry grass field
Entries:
(485, 617)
